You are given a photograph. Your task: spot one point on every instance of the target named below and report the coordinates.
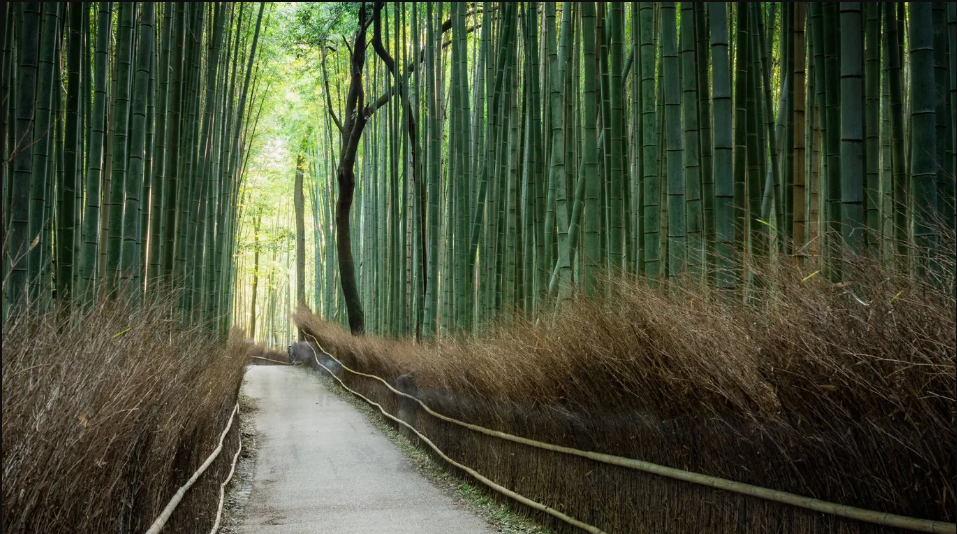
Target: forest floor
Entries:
(321, 465)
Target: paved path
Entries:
(322, 467)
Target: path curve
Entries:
(322, 467)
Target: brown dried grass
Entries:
(107, 411)
(262, 355)
(842, 392)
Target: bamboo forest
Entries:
(648, 252)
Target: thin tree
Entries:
(677, 244)
(41, 143)
(19, 239)
(852, 127)
(91, 215)
(299, 201)
(724, 201)
(923, 146)
(121, 111)
(130, 251)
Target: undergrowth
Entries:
(839, 391)
(107, 410)
(262, 355)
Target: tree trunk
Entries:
(124, 60)
(299, 201)
(19, 240)
(651, 190)
(95, 156)
(43, 134)
(690, 128)
(130, 250)
(723, 150)
(923, 165)
(852, 128)
(589, 173)
(677, 245)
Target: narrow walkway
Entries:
(322, 467)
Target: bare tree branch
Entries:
(325, 78)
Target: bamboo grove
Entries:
(473, 159)
(125, 132)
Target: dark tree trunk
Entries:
(356, 116)
(346, 177)
(351, 131)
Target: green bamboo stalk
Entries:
(887, 189)
(512, 246)
(832, 136)
(816, 25)
(899, 170)
(146, 208)
(191, 248)
(48, 241)
(201, 173)
(952, 38)
(691, 155)
(300, 207)
(433, 184)
(705, 139)
(130, 253)
(758, 225)
(19, 239)
(723, 170)
(619, 176)
(215, 224)
(495, 138)
(498, 208)
(559, 87)
(677, 241)
(872, 126)
(662, 156)
(798, 134)
(459, 80)
(43, 132)
(786, 139)
(944, 116)
(637, 255)
(173, 206)
(571, 59)
(9, 82)
(923, 164)
(651, 191)
(535, 168)
(608, 195)
(158, 186)
(589, 171)
(91, 215)
(67, 188)
(121, 111)
(740, 129)
(852, 127)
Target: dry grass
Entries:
(106, 412)
(843, 392)
(262, 355)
